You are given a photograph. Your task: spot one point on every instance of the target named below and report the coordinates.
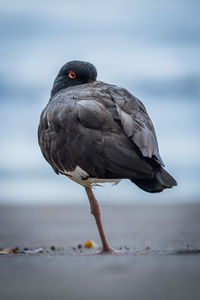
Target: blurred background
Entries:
(152, 48)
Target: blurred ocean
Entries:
(150, 47)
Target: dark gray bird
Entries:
(95, 132)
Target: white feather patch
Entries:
(77, 173)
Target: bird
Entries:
(94, 132)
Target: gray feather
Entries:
(100, 128)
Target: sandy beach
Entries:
(160, 244)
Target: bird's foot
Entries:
(103, 252)
(109, 251)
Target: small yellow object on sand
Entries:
(90, 244)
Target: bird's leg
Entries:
(95, 211)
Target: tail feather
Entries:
(160, 181)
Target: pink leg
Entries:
(95, 211)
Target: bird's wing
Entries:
(84, 133)
(106, 143)
(136, 122)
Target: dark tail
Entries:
(161, 180)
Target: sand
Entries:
(161, 246)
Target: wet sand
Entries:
(161, 246)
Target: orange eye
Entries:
(71, 75)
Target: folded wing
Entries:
(136, 123)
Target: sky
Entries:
(152, 48)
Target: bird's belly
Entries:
(83, 178)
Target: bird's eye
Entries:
(71, 75)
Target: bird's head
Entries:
(73, 73)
